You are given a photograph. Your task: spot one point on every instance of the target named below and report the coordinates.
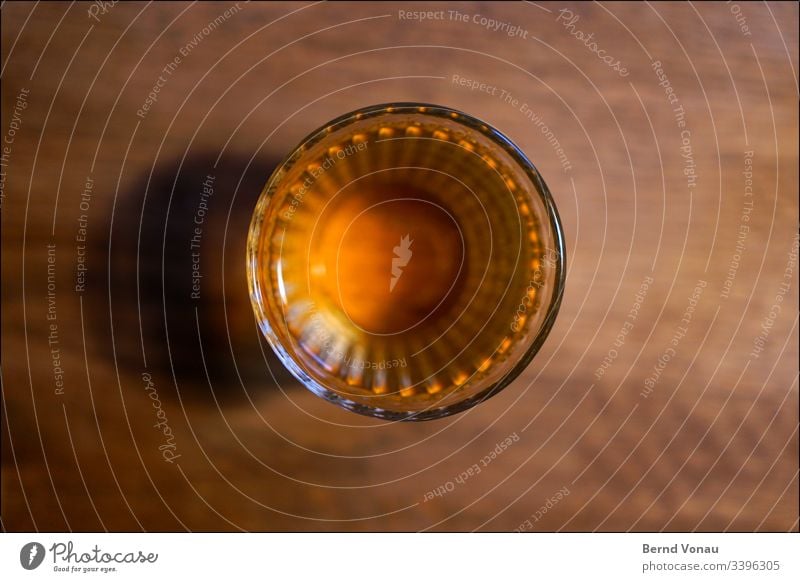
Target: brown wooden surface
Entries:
(714, 446)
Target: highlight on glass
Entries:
(406, 261)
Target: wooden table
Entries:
(645, 152)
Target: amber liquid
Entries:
(397, 261)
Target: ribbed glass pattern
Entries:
(405, 261)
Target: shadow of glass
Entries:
(177, 280)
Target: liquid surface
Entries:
(389, 257)
(404, 264)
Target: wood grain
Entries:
(713, 446)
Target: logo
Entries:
(31, 555)
(402, 256)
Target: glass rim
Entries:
(496, 137)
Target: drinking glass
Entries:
(406, 261)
